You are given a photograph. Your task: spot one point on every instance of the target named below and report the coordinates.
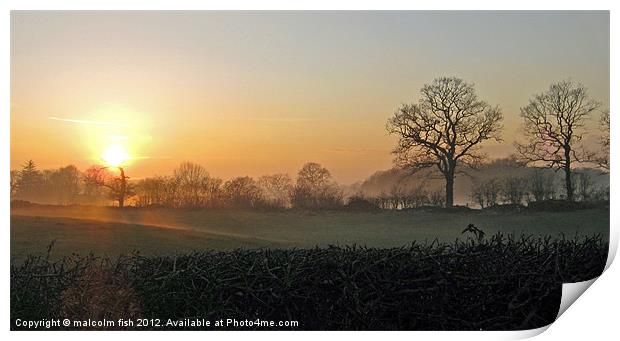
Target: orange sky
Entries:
(252, 93)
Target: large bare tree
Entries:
(444, 129)
(553, 122)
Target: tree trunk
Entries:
(121, 195)
(449, 190)
(567, 177)
(569, 184)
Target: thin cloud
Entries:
(71, 120)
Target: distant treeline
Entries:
(61, 186)
(190, 186)
(502, 181)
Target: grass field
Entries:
(111, 232)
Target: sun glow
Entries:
(115, 155)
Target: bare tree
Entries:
(171, 192)
(415, 196)
(191, 186)
(151, 191)
(92, 193)
(541, 185)
(553, 121)
(277, 189)
(605, 125)
(313, 175)
(242, 192)
(211, 192)
(514, 190)
(444, 129)
(600, 193)
(59, 186)
(478, 189)
(14, 182)
(492, 191)
(584, 187)
(485, 192)
(437, 198)
(119, 188)
(62, 185)
(315, 189)
(396, 197)
(189, 178)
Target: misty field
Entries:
(111, 232)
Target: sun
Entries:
(115, 155)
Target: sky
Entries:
(253, 93)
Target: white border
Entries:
(599, 306)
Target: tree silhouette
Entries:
(553, 122)
(485, 192)
(62, 185)
(242, 192)
(14, 182)
(276, 189)
(151, 191)
(315, 189)
(29, 181)
(118, 186)
(541, 185)
(605, 125)
(444, 129)
(190, 178)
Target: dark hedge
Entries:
(498, 283)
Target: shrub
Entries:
(360, 203)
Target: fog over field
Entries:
(108, 231)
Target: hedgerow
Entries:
(501, 282)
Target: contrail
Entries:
(70, 120)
